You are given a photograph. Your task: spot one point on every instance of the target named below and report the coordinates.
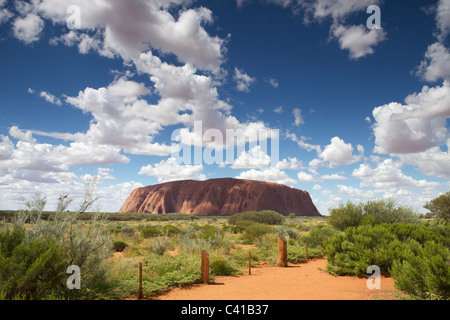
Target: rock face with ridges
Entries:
(219, 197)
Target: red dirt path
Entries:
(305, 281)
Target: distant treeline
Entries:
(8, 215)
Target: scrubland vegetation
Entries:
(37, 247)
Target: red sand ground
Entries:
(305, 281)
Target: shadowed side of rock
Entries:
(219, 197)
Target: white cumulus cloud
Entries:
(170, 170)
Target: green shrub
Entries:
(257, 230)
(234, 228)
(296, 254)
(346, 215)
(86, 244)
(115, 230)
(417, 256)
(32, 269)
(128, 231)
(240, 257)
(265, 216)
(288, 232)
(159, 245)
(119, 245)
(316, 236)
(222, 267)
(352, 252)
(388, 211)
(172, 230)
(425, 274)
(166, 272)
(370, 213)
(150, 232)
(207, 231)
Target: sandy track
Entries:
(305, 281)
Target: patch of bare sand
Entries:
(307, 281)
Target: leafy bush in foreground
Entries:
(29, 269)
(43, 248)
(425, 274)
(417, 256)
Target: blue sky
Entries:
(113, 88)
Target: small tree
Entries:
(440, 207)
(346, 215)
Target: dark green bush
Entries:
(425, 275)
(150, 232)
(265, 216)
(115, 230)
(119, 245)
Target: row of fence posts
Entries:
(282, 262)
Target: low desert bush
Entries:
(152, 231)
(166, 272)
(288, 232)
(265, 216)
(222, 267)
(257, 230)
(160, 245)
(317, 236)
(128, 231)
(172, 230)
(119, 246)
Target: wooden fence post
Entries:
(205, 267)
(282, 252)
(140, 295)
(249, 263)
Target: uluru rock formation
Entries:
(219, 197)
